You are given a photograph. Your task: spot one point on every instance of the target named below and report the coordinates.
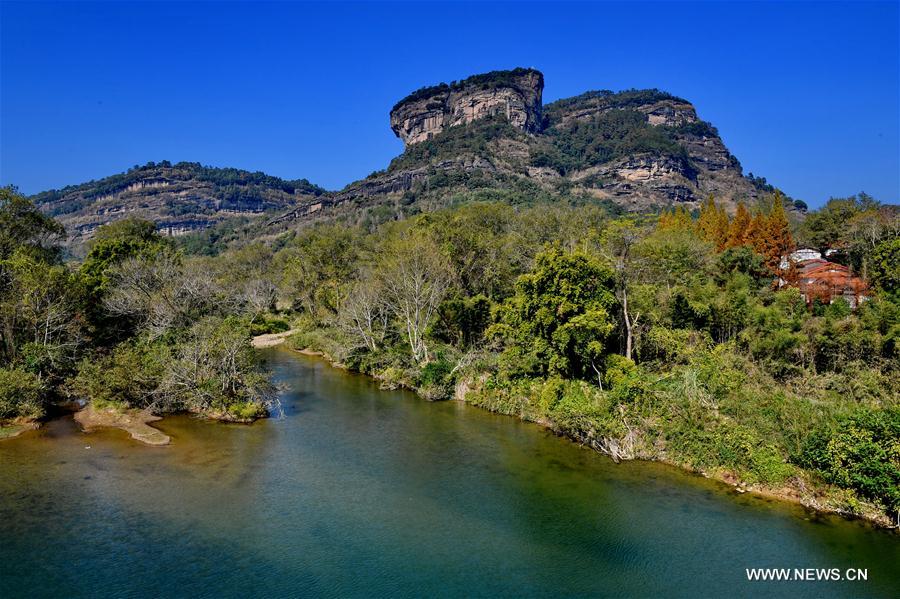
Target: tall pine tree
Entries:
(712, 224)
(776, 240)
(739, 229)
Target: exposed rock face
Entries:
(180, 198)
(488, 138)
(666, 111)
(513, 95)
(639, 149)
(669, 113)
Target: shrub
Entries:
(129, 375)
(618, 368)
(393, 377)
(673, 346)
(862, 453)
(755, 460)
(268, 325)
(436, 372)
(245, 411)
(20, 394)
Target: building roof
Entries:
(826, 280)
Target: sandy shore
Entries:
(135, 422)
(270, 339)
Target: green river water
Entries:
(364, 492)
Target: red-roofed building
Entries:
(819, 279)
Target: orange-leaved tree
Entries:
(712, 224)
(679, 218)
(739, 229)
(773, 238)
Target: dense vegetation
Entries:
(608, 136)
(469, 139)
(606, 99)
(659, 337)
(235, 186)
(483, 81)
(662, 338)
(134, 325)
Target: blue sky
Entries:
(806, 94)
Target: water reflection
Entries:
(363, 492)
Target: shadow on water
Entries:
(363, 492)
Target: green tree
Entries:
(884, 266)
(558, 321)
(22, 225)
(112, 245)
(317, 267)
(21, 394)
(862, 454)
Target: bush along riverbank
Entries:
(680, 337)
(641, 341)
(685, 419)
(135, 327)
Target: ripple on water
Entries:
(363, 492)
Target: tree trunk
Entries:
(629, 333)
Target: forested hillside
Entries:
(488, 138)
(179, 198)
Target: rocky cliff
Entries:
(180, 198)
(489, 137)
(512, 95)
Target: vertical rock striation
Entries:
(512, 95)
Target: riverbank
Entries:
(12, 430)
(283, 499)
(271, 339)
(799, 489)
(134, 422)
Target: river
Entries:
(364, 492)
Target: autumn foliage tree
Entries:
(767, 232)
(740, 227)
(677, 219)
(712, 224)
(772, 235)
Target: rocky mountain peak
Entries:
(512, 95)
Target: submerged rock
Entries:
(134, 422)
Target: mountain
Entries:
(490, 137)
(487, 137)
(181, 198)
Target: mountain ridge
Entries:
(488, 136)
(180, 198)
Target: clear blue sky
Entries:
(805, 94)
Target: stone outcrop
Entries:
(684, 162)
(491, 140)
(512, 95)
(666, 111)
(180, 198)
